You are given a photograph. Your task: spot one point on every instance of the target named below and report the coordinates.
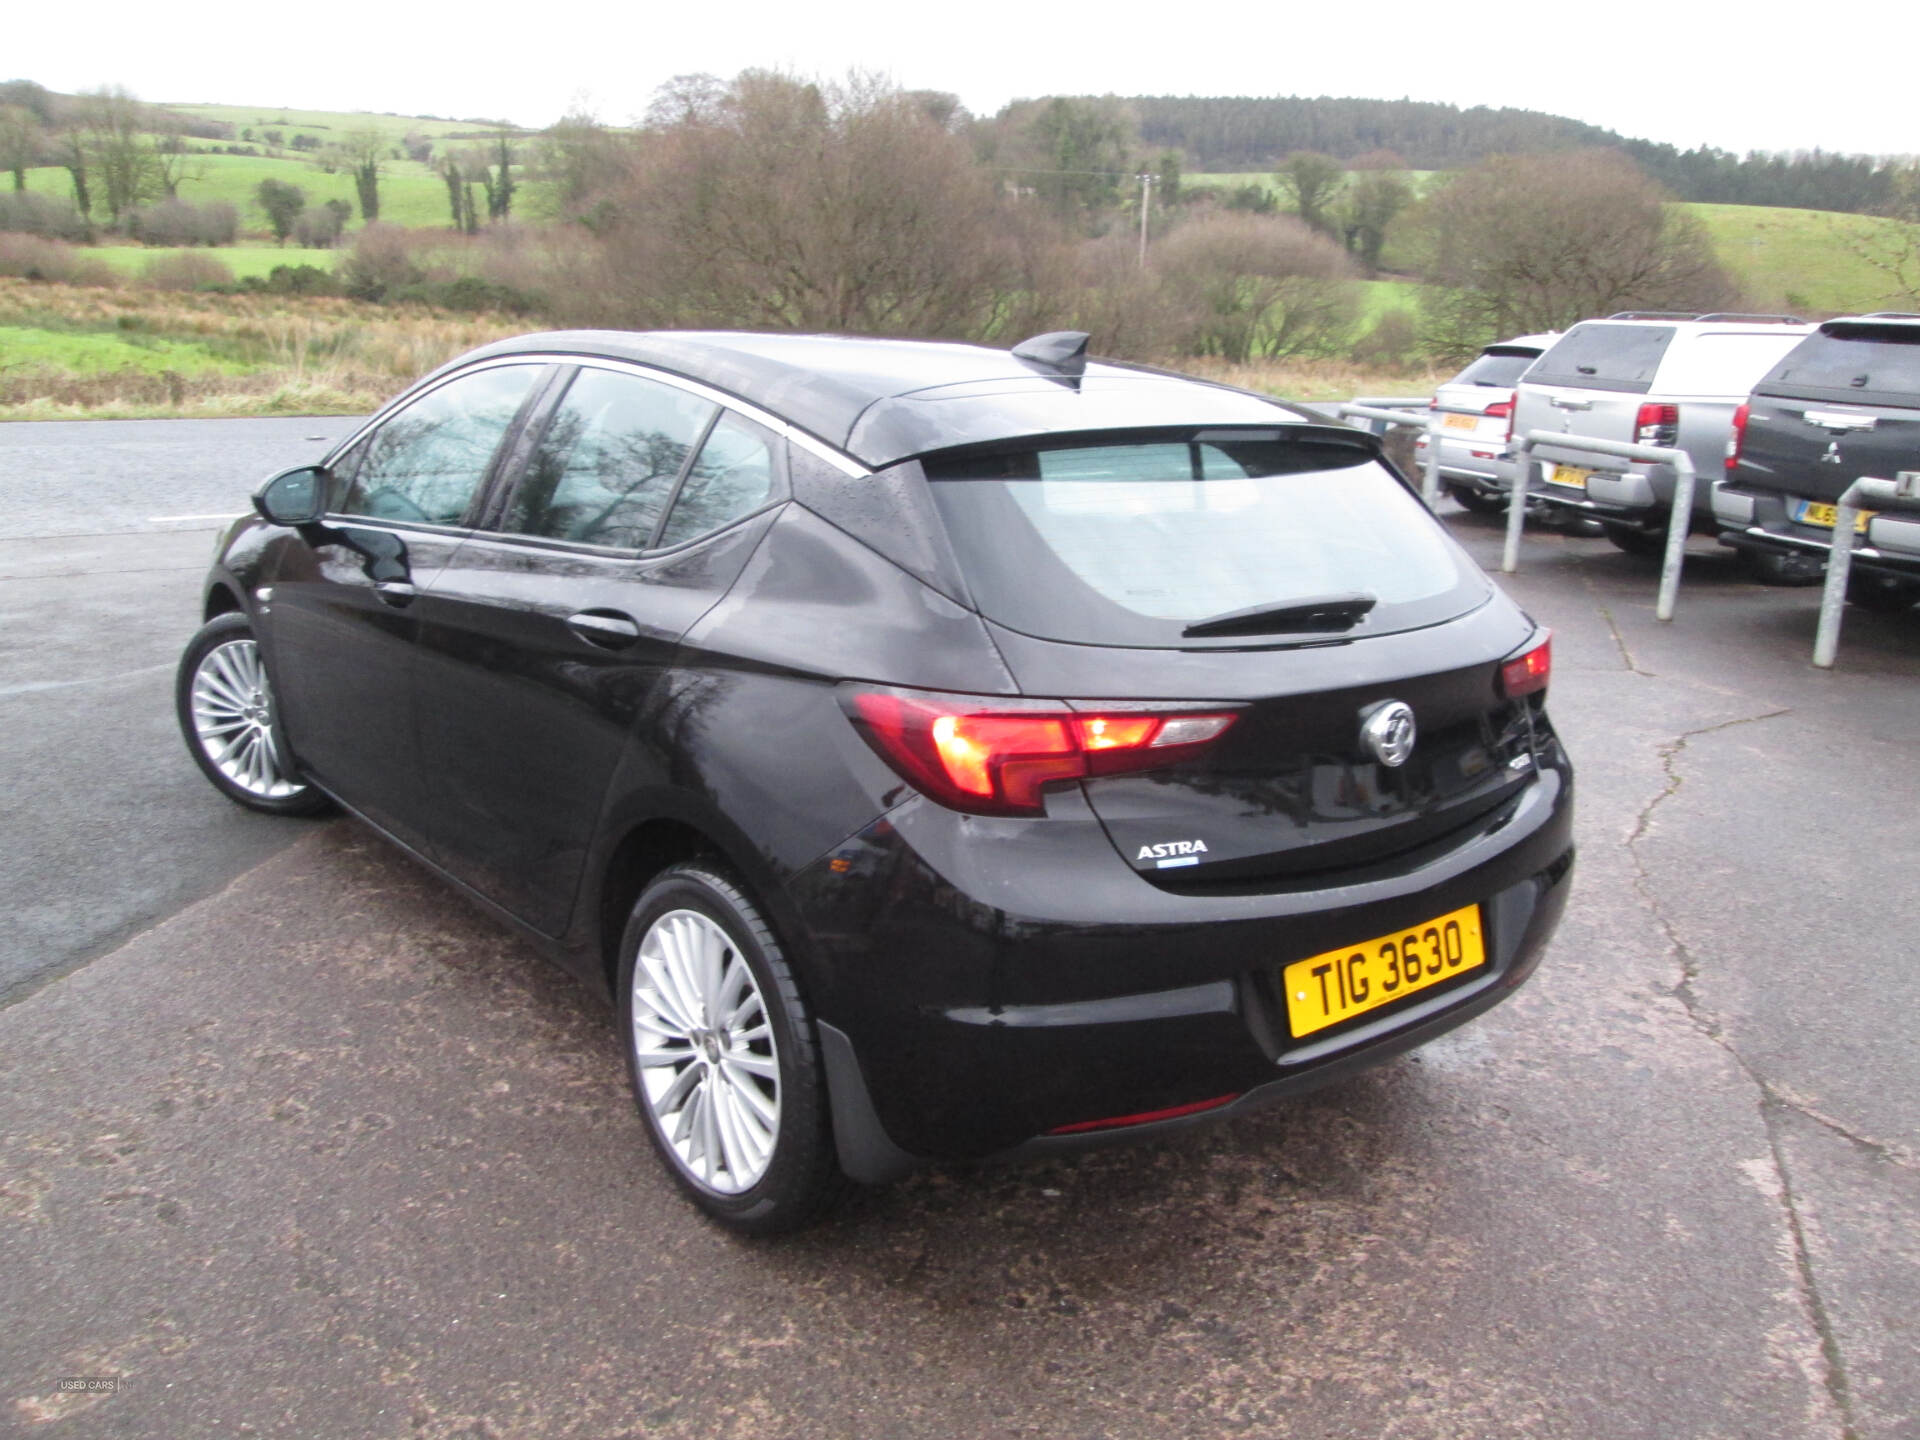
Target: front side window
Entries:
(609, 460)
(425, 463)
(1129, 543)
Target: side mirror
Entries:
(293, 497)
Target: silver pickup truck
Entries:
(1669, 380)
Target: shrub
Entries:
(32, 258)
(379, 263)
(185, 271)
(1393, 341)
(468, 293)
(175, 222)
(1260, 285)
(23, 212)
(319, 227)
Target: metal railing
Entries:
(1422, 419)
(1681, 521)
(1900, 494)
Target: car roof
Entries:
(887, 400)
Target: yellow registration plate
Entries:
(1325, 989)
(1569, 475)
(1815, 512)
(1460, 422)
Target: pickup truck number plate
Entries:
(1816, 512)
(1569, 475)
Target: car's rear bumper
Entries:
(1759, 522)
(981, 1001)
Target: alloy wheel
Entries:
(233, 721)
(704, 1049)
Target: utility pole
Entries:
(1146, 199)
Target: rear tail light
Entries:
(1503, 409)
(1656, 424)
(995, 756)
(1737, 437)
(1529, 670)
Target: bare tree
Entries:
(20, 142)
(1312, 181)
(582, 161)
(1260, 285)
(1537, 242)
(841, 207)
(122, 156)
(174, 163)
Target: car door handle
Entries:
(608, 629)
(1561, 402)
(398, 593)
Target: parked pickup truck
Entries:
(1845, 402)
(1667, 380)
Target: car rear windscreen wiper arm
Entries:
(1316, 612)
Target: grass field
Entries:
(242, 260)
(410, 193)
(75, 352)
(1799, 260)
(328, 124)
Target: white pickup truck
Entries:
(1667, 380)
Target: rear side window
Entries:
(1605, 357)
(1859, 362)
(732, 476)
(1128, 543)
(1723, 364)
(606, 467)
(1499, 368)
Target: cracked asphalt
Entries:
(325, 1152)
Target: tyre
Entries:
(1775, 567)
(1888, 594)
(225, 708)
(1647, 544)
(723, 1056)
(1478, 501)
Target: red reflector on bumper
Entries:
(1145, 1117)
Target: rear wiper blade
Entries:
(1315, 613)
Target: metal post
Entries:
(1517, 501)
(1678, 525)
(1430, 481)
(1146, 199)
(1833, 598)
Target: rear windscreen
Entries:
(1856, 360)
(1605, 357)
(1128, 543)
(1499, 368)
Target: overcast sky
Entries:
(1738, 76)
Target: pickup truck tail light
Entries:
(1656, 424)
(1737, 437)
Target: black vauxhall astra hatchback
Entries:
(937, 752)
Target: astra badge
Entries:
(1388, 733)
